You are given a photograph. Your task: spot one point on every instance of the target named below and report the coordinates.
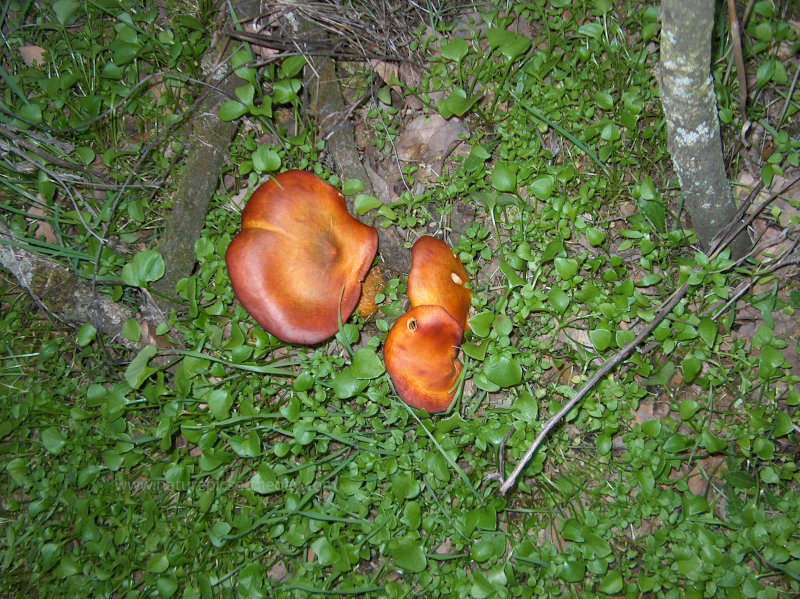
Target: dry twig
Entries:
(718, 245)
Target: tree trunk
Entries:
(690, 108)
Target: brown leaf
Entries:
(32, 55)
(428, 137)
(278, 572)
(43, 229)
(702, 475)
(770, 227)
(386, 70)
(373, 284)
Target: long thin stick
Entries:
(718, 244)
(621, 356)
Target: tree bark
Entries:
(690, 108)
(57, 290)
(206, 148)
(207, 145)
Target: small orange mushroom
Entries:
(298, 253)
(438, 278)
(420, 354)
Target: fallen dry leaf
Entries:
(32, 55)
(43, 229)
(770, 227)
(387, 71)
(237, 201)
(278, 572)
(702, 475)
(411, 78)
(373, 284)
(428, 137)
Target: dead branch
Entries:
(207, 146)
(60, 293)
(619, 357)
(309, 47)
(721, 241)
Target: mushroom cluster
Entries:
(421, 347)
(297, 267)
(298, 262)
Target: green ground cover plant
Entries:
(225, 463)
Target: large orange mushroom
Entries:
(298, 254)
(420, 354)
(438, 278)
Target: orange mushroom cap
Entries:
(420, 354)
(298, 250)
(438, 278)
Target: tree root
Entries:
(328, 109)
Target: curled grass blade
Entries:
(578, 143)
